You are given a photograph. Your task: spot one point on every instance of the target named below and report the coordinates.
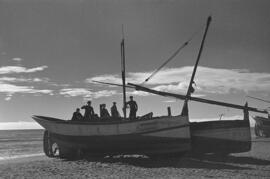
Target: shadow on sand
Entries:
(235, 159)
(201, 162)
(184, 162)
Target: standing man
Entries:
(114, 111)
(133, 108)
(89, 111)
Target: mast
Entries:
(123, 68)
(190, 87)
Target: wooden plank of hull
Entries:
(219, 146)
(147, 143)
(221, 136)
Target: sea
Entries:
(20, 143)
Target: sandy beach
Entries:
(253, 164)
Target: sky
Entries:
(51, 50)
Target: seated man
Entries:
(114, 111)
(104, 112)
(77, 116)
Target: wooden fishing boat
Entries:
(262, 126)
(147, 135)
(158, 135)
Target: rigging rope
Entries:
(259, 99)
(173, 55)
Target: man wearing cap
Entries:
(133, 108)
(89, 111)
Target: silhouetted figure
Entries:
(104, 112)
(89, 111)
(114, 111)
(133, 108)
(77, 116)
(100, 109)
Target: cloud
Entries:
(139, 93)
(19, 69)
(86, 93)
(9, 86)
(170, 101)
(104, 93)
(224, 81)
(15, 80)
(208, 80)
(17, 59)
(105, 78)
(72, 92)
(12, 85)
(10, 89)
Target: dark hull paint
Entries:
(208, 125)
(202, 144)
(222, 146)
(126, 144)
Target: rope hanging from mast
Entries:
(173, 55)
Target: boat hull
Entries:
(221, 137)
(126, 144)
(154, 136)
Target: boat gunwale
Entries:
(130, 134)
(62, 121)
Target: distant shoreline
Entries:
(3, 159)
(21, 129)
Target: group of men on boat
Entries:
(89, 113)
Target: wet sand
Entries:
(253, 164)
